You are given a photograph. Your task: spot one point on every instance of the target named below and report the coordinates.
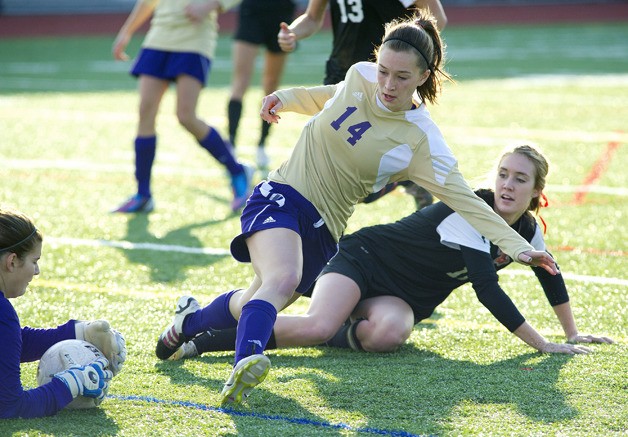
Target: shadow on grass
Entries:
(413, 391)
(168, 265)
(85, 422)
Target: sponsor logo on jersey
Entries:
(269, 220)
(358, 95)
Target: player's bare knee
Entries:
(387, 337)
(284, 282)
(320, 331)
(186, 119)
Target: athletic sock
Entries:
(220, 150)
(234, 111)
(265, 130)
(223, 340)
(254, 328)
(216, 315)
(145, 148)
(346, 337)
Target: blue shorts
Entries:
(170, 65)
(274, 205)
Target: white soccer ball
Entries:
(77, 352)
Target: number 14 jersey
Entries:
(353, 145)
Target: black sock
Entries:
(265, 130)
(234, 112)
(223, 340)
(345, 337)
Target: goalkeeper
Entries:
(20, 251)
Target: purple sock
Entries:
(220, 150)
(216, 315)
(254, 328)
(144, 156)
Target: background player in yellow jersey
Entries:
(178, 48)
(371, 129)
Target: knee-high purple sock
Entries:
(144, 156)
(220, 150)
(254, 328)
(216, 315)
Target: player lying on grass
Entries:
(20, 250)
(387, 278)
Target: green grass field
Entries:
(67, 121)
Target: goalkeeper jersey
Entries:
(353, 145)
(20, 345)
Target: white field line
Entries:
(126, 245)
(572, 277)
(211, 171)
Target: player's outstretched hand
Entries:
(564, 348)
(91, 380)
(286, 38)
(270, 106)
(108, 341)
(538, 258)
(588, 338)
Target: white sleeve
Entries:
(537, 240)
(455, 231)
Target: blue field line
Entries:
(254, 415)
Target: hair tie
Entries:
(543, 201)
(415, 47)
(19, 242)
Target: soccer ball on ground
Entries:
(76, 353)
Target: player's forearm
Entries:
(566, 319)
(305, 26)
(436, 8)
(302, 100)
(531, 336)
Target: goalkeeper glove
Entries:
(106, 339)
(91, 380)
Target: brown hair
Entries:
(419, 33)
(18, 234)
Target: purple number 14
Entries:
(356, 130)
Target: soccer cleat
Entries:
(262, 158)
(241, 185)
(136, 203)
(187, 350)
(172, 337)
(248, 373)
